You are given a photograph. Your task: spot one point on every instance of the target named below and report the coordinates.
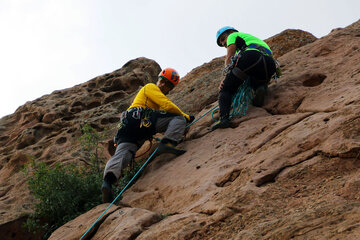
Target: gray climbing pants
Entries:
(174, 128)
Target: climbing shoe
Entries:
(169, 148)
(259, 98)
(222, 123)
(107, 196)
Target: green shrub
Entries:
(64, 192)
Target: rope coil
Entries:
(241, 100)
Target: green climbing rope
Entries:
(241, 100)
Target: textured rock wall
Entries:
(48, 130)
(286, 170)
(289, 170)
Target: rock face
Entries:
(288, 40)
(287, 170)
(48, 129)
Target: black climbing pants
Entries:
(253, 64)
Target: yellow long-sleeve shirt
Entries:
(150, 96)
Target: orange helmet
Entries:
(171, 75)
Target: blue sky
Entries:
(48, 45)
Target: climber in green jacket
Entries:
(151, 112)
(247, 57)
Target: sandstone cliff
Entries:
(287, 170)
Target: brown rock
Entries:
(287, 170)
(76, 228)
(127, 223)
(48, 128)
(289, 40)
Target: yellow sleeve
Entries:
(154, 93)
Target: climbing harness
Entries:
(135, 123)
(145, 118)
(267, 52)
(263, 50)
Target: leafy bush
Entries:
(64, 192)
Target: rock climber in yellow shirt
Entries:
(150, 112)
